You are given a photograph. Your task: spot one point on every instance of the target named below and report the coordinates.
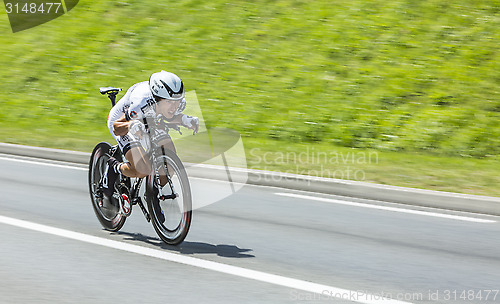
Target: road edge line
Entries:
(356, 189)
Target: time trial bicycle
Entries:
(167, 192)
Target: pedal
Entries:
(126, 206)
(98, 196)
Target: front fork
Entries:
(172, 194)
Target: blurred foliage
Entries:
(393, 76)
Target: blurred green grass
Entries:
(420, 78)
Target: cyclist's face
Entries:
(168, 107)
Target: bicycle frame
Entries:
(165, 165)
(133, 192)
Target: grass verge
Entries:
(416, 77)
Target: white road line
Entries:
(323, 290)
(275, 188)
(42, 163)
(426, 213)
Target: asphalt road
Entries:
(279, 242)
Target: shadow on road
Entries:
(186, 247)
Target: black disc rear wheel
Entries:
(107, 210)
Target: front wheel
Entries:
(170, 205)
(107, 210)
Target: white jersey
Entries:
(137, 101)
(137, 96)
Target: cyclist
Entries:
(164, 94)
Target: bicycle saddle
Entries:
(105, 90)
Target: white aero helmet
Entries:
(166, 85)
